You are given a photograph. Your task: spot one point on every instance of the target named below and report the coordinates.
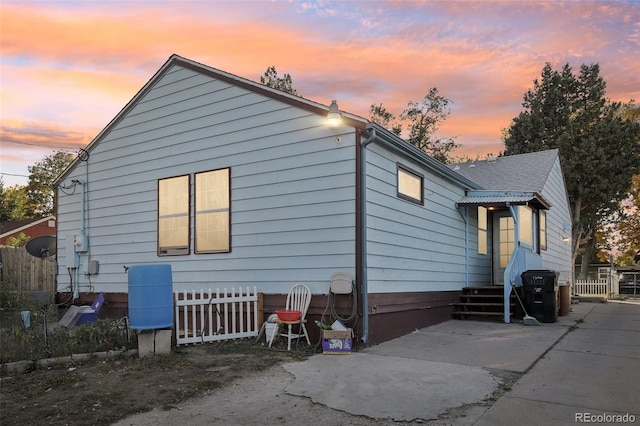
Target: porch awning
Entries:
(504, 199)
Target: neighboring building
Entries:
(595, 271)
(237, 184)
(30, 227)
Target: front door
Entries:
(503, 244)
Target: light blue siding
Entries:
(557, 256)
(292, 187)
(413, 248)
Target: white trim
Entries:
(27, 226)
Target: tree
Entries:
(621, 236)
(19, 240)
(380, 115)
(271, 79)
(423, 120)
(627, 228)
(41, 176)
(599, 148)
(13, 203)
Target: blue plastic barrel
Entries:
(150, 297)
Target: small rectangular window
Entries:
(603, 273)
(543, 230)
(173, 216)
(212, 224)
(525, 226)
(482, 230)
(410, 185)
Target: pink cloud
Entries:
(68, 68)
(42, 134)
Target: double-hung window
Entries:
(482, 230)
(212, 212)
(525, 227)
(542, 218)
(173, 216)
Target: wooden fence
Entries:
(210, 316)
(25, 273)
(594, 288)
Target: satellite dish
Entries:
(42, 247)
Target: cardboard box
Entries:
(337, 342)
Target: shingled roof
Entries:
(524, 172)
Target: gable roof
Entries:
(523, 172)
(380, 134)
(176, 60)
(512, 180)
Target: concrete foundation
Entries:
(151, 342)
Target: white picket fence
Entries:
(211, 316)
(594, 288)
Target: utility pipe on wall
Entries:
(363, 235)
(83, 238)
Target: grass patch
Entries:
(36, 338)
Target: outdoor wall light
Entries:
(334, 118)
(565, 239)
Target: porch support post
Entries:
(464, 213)
(507, 272)
(507, 300)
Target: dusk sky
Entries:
(68, 67)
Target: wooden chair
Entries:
(298, 299)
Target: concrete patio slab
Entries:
(391, 387)
(512, 347)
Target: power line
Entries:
(12, 174)
(41, 146)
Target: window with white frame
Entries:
(542, 217)
(410, 185)
(482, 230)
(507, 239)
(525, 226)
(603, 273)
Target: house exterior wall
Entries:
(416, 259)
(295, 211)
(292, 189)
(412, 247)
(557, 256)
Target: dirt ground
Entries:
(230, 383)
(103, 391)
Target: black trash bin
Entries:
(540, 294)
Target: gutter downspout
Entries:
(363, 235)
